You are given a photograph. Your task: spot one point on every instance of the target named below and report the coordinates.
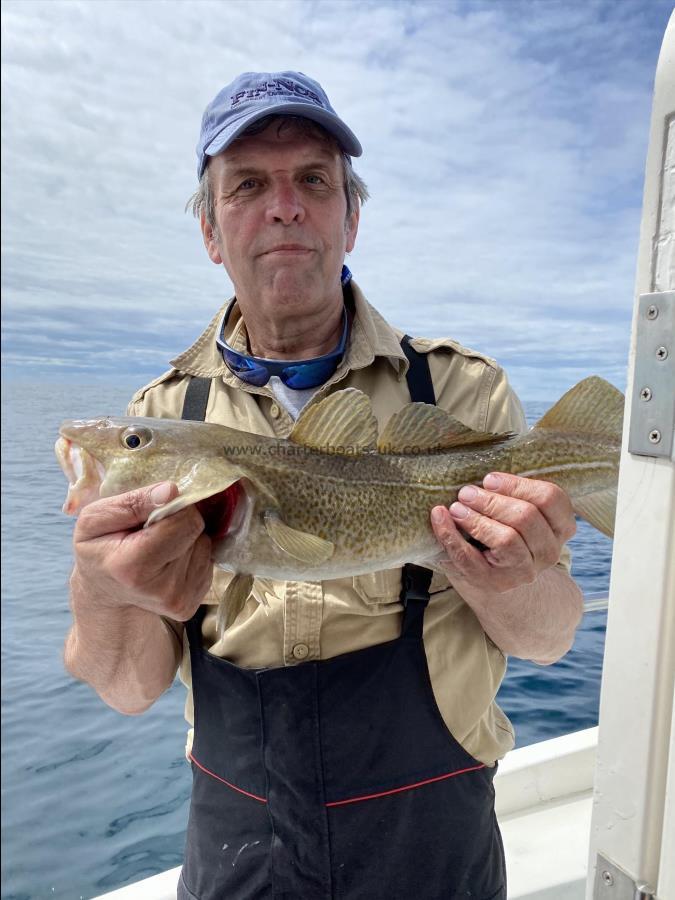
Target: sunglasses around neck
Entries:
(298, 375)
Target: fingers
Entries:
(184, 583)
(123, 512)
(551, 501)
(523, 524)
(149, 550)
(515, 531)
(169, 538)
(165, 568)
(462, 560)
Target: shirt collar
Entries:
(370, 336)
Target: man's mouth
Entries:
(288, 250)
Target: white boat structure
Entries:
(592, 814)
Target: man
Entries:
(345, 737)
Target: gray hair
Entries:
(355, 188)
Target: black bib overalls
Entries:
(336, 778)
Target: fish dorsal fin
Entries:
(594, 406)
(340, 423)
(308, 548)
(421, 428)
(599, 509)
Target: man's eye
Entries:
(314, 179)
(248, 184)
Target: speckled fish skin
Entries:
(308, 514)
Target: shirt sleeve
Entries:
(505, 411)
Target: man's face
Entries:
(281, 229)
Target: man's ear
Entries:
(351, 228)
(211, 240)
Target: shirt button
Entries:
(300, 651)
(274, 411)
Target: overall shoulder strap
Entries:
(196, 398)
(416, 579)
(194, 409)
(418, 375)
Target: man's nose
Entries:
(285, 205)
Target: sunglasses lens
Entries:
(246, 369)
(308, 375)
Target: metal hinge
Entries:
(652, 422)
(612, 883)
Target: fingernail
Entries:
(458, 511)
(437, 515)
(161, 493)
(468, 493)
(492, 482)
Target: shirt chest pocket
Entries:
(379, 587)
(384, 586)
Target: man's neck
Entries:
(295, 337)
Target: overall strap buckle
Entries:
(415, 584)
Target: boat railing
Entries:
(595, 601)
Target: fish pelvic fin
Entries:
(232, 602)
(593, 406)
(598, 509)
(308, 548)
(421, 428)
(341, 423)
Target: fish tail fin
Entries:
(592, 408)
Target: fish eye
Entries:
(135, 437)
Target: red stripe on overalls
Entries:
(228, 783)
(405, 787)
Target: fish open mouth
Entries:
(84, 473)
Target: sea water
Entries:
(93, 800)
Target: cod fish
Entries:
(336, 498)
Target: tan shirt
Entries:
(317, 620)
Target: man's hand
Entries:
(527, 607)
(165, 569)
(125, 579)
(523, 523)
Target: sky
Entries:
(504, 150)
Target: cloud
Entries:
(504, 149)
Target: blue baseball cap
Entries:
(254, 95)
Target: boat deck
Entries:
(547, 849)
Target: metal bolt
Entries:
(607, 878)
(646, 394)
(652, 311)
(655, 436)
(662, 353)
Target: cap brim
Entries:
(333, 125)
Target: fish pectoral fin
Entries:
(204, 478)
(593, 406)
(340, 423)
(232, 602)
(598, 509)
(308, 548)
(420, 428)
